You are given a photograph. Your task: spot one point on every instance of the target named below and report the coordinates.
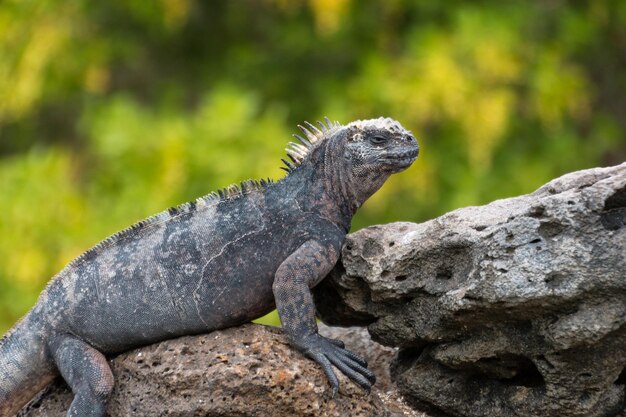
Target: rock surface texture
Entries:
(516, 308)
(244, 371)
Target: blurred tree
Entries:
(112, 111)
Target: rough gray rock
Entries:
(516, 308)
(244, 372)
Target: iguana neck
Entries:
(325, 186)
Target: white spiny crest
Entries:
(296, 151)
(312, 135)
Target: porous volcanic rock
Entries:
(244, 371)
(515, 308)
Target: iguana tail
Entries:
(25, 366)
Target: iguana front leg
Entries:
(302, 270)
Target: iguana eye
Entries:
(378, 140)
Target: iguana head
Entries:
(375, 149)
(380, 145)
(356, 158)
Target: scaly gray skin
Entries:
(217, 262)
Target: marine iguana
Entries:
(216, 262)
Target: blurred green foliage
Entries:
(113, 111)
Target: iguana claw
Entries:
(327, 352)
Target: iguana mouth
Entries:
(401, 159)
